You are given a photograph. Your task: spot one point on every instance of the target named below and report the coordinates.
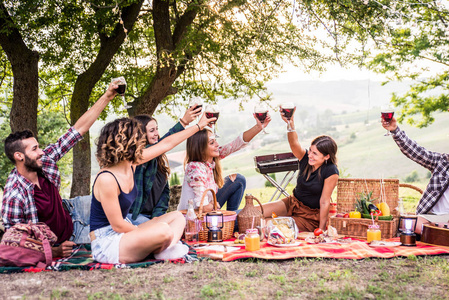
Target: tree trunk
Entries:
(82, 91)
(24, 63)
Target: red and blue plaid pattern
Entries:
(18, 198)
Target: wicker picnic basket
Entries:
(250, 216)
(348, 190)
(228, 218)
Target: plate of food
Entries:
(384, 244)
(285, 245)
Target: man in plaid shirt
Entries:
(32, 189)
(434, 203)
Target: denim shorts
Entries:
(105, 246)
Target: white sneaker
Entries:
(173, 252)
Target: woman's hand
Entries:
(190, 115)
(210, 207)
(291, 121)
(111, 92)
(391, 126)
(261, 125)
(204, 121)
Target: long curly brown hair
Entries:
(196, 148)
(120, 140)
(162, 160)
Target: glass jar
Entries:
(252, 240)
(373, 233)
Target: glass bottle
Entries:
(373, 233)
(252, 240)
(192, 224)
(401, 208)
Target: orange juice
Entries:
(373, 233)
(252, 240)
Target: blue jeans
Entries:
(232, 192)
(79, 209)
(139, 220)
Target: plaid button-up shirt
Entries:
(437, 163)
(18, 204)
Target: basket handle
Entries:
(215, 203)
(260, 204)
(411, 187)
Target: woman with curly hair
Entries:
(153, 191)
(120, 148)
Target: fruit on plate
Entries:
(318, 232)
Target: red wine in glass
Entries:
(288, 112)
(210, 115)
(387, 116)
(121, 89)
(261, 116)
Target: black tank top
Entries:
(98, 218)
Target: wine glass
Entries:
(261, 112)
(387, 113)
(196, 101)
(212, 112)
(121, 82)
(288, 109)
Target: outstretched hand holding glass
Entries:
(121, 82)
(387, 113)
(212, 111)
(287, 110)
(261, 113)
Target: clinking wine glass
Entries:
(121, 82)
(288, 109)
(212, 111)
(387, 113)
(196, 101)
(261, 112)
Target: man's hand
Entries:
(391, 126)
(63, 250)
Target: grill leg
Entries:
(280, 188)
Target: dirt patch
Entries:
(426, 277)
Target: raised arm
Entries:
(297, 150)
(173, 140)
(83, 124)
(253, 131)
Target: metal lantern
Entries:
(407, 226)
(214, 224)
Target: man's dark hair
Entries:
(13, 143)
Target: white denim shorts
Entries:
(105, 247)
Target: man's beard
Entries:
(31, 165)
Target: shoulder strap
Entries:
(106, 171)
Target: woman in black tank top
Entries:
(120, 148)
(317, 178)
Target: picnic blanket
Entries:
(356, 250)
(81, 259)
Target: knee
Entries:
(178, 216)
(240, 179)
(165, 234)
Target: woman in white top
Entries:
(203, 169)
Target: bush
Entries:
(412, 177)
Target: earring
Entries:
(326, 161)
